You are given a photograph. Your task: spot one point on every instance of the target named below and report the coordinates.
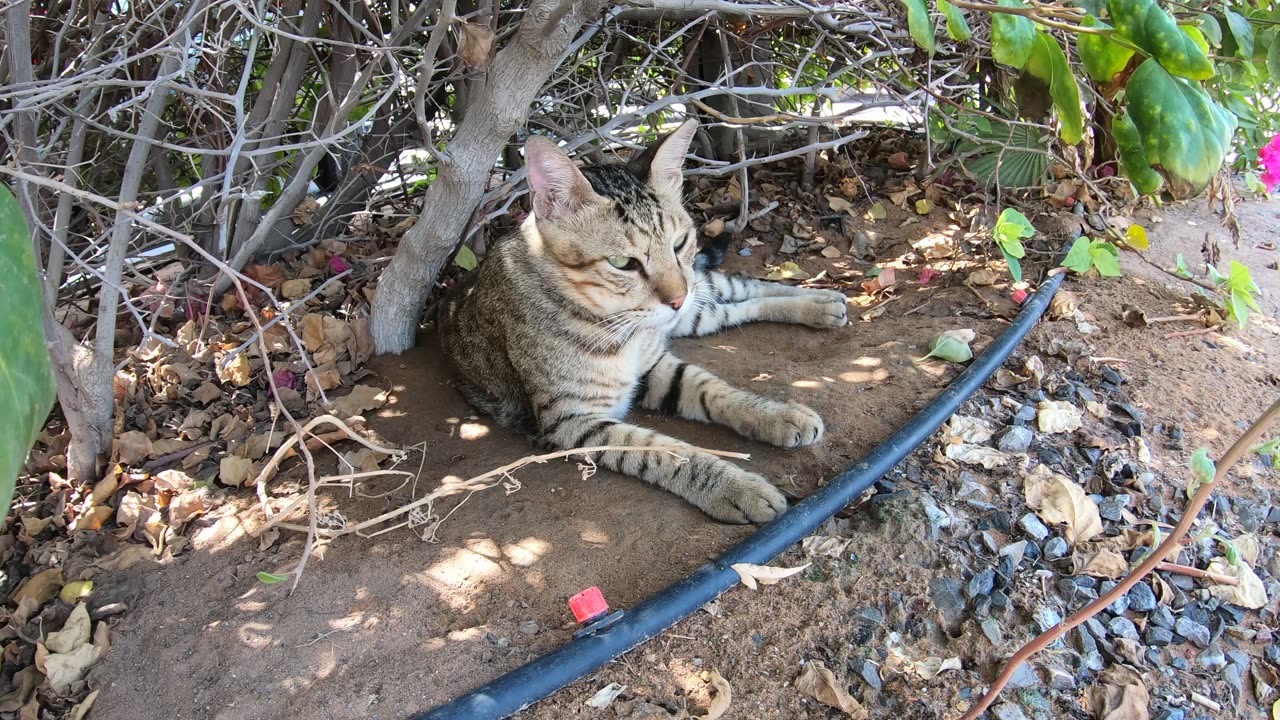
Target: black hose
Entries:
(536, 680)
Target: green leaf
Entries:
(920, 24)
(1240, 279)
(953, 346)
(1217, 277)
(1273, 56)
(267, 578)
(1242, 31)
(466, 259)
(1106, 259)
(1183, 131)
(1103, 57)
(1010, 228)
(1133, 156)
(1269, 448)
(1078, 258)
(26, 382)
(1238, 308)
(1180, 267)
(1136, 237)
(1202, 470)
(1196, 36)
(1149, 26)
(1211, 29)
(1015, 267)
(1233, 554)
(1013, 37)
(1049, 63)
(957, 26)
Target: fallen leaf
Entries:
(1055, 416)
(924, 206)
(605, 696)
(305, 213)
(983, 276)
(713, 228)
(825, 545)
(787, 271)
(39, 588)
(982, 455)
(206, 393)
(1249, 593)
(928, 275)
(325, 378)
(831, 252)
(1059, 500)
(268, 275)
(361, 398)
(723, 697)
(466, 259)
(751, 574)
(26, 681)
(295, 289)
(969, 429)
(63, 669)
(74, 632)
(820, 684)
(1120, 694)
(953, 346)
(186, 507)
(238, 372)
(931, 667)
(33, 526)
(877, 212)
(125, 558)
(79, 711)
(234, 470)
(312, 326)
(131, 447)
(839, 204)
(94, 519)
(73, 591)
(476, 46)
(174, 481)
(1104, 564)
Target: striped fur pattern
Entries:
(565, 327)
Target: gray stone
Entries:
(1123, 627)
(1032, 526)
(1157, 636)
(1141, 598)
(947, 597)
(1211, 658)
(1163, 617)
(1193, 631)
(1046, 617)
(1172, 714)
(1110, 507)
(1024, 677)
(1008, 711)
(529, 627)
(1056, 548)
(1060, 679)
(1016, 439)
(871, 673)
(1026, 413)
(991, 628)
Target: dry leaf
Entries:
(1249, 593)
(125, 558)
(238, 372)
(751, 574)
(72, 592)
(305, 214)
(476, 46)
(931, 667)
(361, 398)
(787, 271)
(825, 545)
(74, 633)
(987, 457)
(983, 277)
(94, 519)
(63, 669)
(234, 470)
(132, 448)
(820, 684)
(33, 526)
(39, 588)
(206, 393)
(325, 377)
(1104, 564)
(713, 228)
(831, 252)
(1058, 500)
(268, 275)
(312, 326)
(295, 289)
(605, 696)
(1120, 694)
(969, 429)
(839, 204)
(1058, 417)
(79, 711)
(106, 487)
(723, 697)
(186, 507)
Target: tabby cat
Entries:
(566, 324)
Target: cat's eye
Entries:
(623, 263)
(681, 241)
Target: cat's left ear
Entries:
(663, 161)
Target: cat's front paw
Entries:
(825, 309)
(787, 425)
(744, 497)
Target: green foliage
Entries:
(1239, 289)
(1133, 155)
(1182, 129)
(1087, 253)
(1049, 63)
(466, 258)
(1180, 268)
(1203, 471)
(1010, 228)
(920, 24)
(1241, 32)
(1149, 26)
(1013, 37)
(267, 578)
(26, 382)
(957, 26)
(1013, 156)
(1103, 58)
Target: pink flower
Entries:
(337, 265)
(928, 275)
(1269, 156)
(285, 379)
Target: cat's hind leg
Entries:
(679, 388)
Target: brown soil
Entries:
(390, 626)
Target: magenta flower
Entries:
(285, 379)
(337, 265)
(1269, 156)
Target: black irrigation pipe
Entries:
(540, 678)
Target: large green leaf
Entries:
(1133, 158)
(1013, 37)
(1103, 58)
(919, 24)
(1049, 63)
(1273, 55)
(26, 383)
(957, 26)
(1183, 131)
(1242, 31)
(1150, 27)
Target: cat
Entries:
(565, 326)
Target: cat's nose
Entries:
(677, 302)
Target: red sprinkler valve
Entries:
(592, 612)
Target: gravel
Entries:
(1032, 526)
(1193, 631)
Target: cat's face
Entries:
(617, 236)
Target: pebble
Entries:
(1056, 548)
(981, 584)
(1050, 456)
(1000, 600)
(1024, 677)
(1002, 521)
(1112, 375)
(1157, 636)
(1142, 598)
(1172, 714)
(947, 597)
(1026, 413)
(1212, 658)
(1032, 526)
(1110, 508)
(529, 627)
(1008, 711)
(1193, 631)
(1123, 627)
(1016, 439)
(1180, 664)
(991, 628)
(1163, 617)
(1060, 679)
(1273, 515)
(871, 673)
(1121, 604)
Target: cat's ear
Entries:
(559, 188)
(663, 161)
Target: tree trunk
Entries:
(517, 75)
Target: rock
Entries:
(1110, 508)
(1026, 413)
(1172, 714)
(1163, 617)
(1121, 604)
(1060, 679)
(1153, 657)
(947, 597)
(1249, 514)
(1193, 631)
(999, 600)
(1056, 548)
(1123, 627)
(1016, 439)
(981, 584)
(1196, 613)
(529, 627)
(1234, 676)
(991, 628)
(871, 674)
(1112, 375)
(1008, 711)
(1142, 598)
(1211, 658)
(1180, 664)
(1024, 677)
(1002, 522)
(1032, 526)
(1157, 636)
(1046, 618)
(1273, 515)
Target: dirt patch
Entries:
(388, 626)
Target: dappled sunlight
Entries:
(224, 533)
(468, 428)
(594, 536)
(526, 552)
(878, 375)
(867, 361)
(256, 635)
